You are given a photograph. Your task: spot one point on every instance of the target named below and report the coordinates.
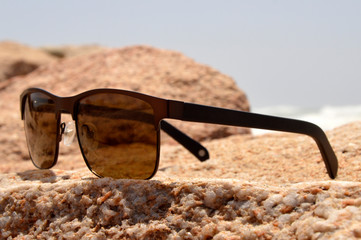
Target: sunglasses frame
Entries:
(172, 109)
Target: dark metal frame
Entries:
(184, 111)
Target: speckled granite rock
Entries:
(264, 187)
(60, 204)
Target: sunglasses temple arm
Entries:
(190, 144)
(206, 114)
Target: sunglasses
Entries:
(119, 131)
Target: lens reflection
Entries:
(41, 128)
(117, 135)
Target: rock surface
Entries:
(199, 208)
(149, 70)
(17, 59)
(249, 191)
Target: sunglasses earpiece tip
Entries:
(203, 154)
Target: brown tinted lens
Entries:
(117, 136)
(41, 129)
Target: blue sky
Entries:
(301, 53)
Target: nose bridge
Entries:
(66, 105)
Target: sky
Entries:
(299, 53)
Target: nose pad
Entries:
(68, 132)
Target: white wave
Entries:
(327, 117)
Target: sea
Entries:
(327, 117)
